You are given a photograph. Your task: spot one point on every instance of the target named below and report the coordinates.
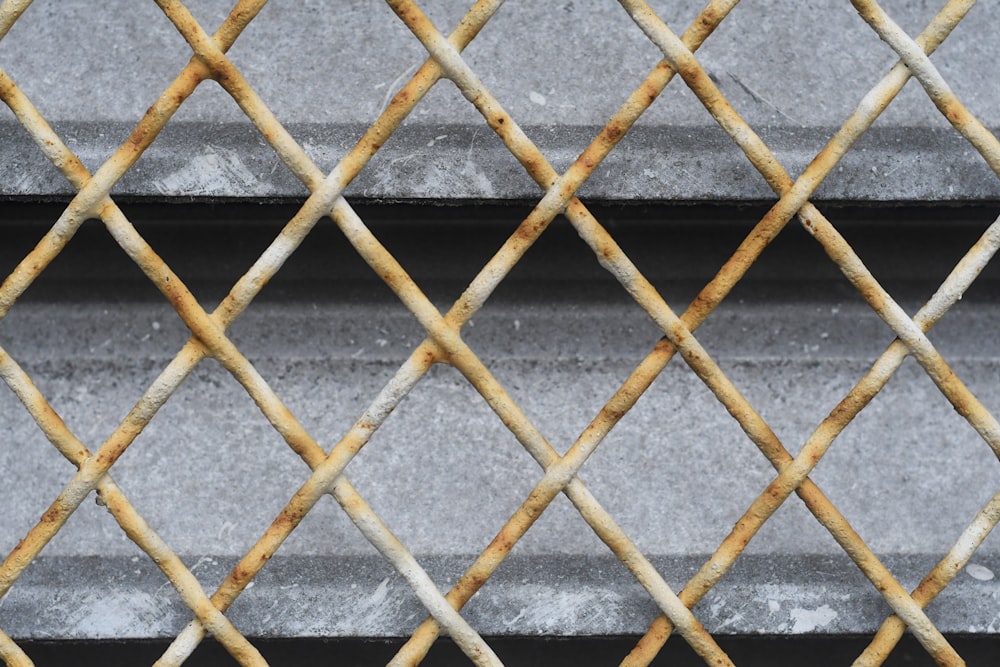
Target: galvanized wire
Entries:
(619, 265)
(791, 202)
(444, 342)
(92, 469)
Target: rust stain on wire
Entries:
(790, 202)
(761, 157)
(444, 342)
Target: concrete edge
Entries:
(121, 598)
(194, 161)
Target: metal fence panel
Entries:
(444, 343)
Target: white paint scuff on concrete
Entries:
(210, 173)
(552, 611)
(807, 620)
(979, 572)
(121, 615)
(370, 609)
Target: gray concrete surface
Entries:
(793, 70)
(209, 474)
(555, 595)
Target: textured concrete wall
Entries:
(209, 473)
(793, 70)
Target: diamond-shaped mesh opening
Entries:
(765, 103)
(549, 323)
(298, 92)
(699, 471)
(440, 252)
(569, 35)
(457, 507)
(179, 460)
(908, 453)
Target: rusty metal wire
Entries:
(466, 309)
(907, 329)
(444, 343)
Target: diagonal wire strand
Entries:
(559, 474)
(21, 278)
(93, 191)
(425, 312)
(762, 158)
(791, 201)
(389, 397)
(937, 88)
(814, 222)
(228, 78)
(816, 446)
(386, 266)
(10, 11)
(53, 242)
(937, 580)
(431, 349)
(131, 522)
(613, 259)
(859, 276)
(222, 349)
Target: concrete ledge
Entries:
(209, 474)
(793, 71)
(456, 163)
(125, 598)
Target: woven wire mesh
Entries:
(444, 343)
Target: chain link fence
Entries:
(444, 343)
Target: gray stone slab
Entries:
(794, 71)
(677, 472)
(209, 474)
(777, 58)
(206, 161)
(571, 596)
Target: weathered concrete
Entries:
(327, 74)
(209, 474)
(203, 161)
(555, 595)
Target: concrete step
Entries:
(794, 80)
(209, 474)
